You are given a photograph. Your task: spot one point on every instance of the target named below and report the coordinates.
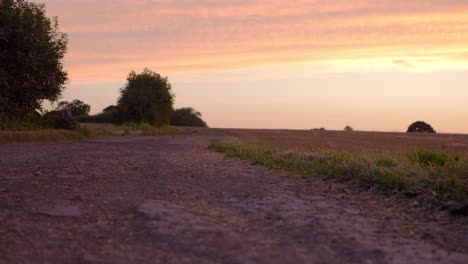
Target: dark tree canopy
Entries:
(110, 108)
(77, 107)
(147, 97)
(420, 127)
(31, 53)
(187, 117)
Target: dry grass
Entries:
(433, 169)
(356, 141)
(85, 131)
(41, 135)
(108, 130)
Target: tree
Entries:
(348, 128)
(187, 117)
(77, 107)
(147, 97)
(110, 108)
(420, 127)
(31, 53)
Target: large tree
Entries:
(147, 97)
(187, 117)
(31, 53)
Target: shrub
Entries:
(76, 107)
(60, 120)
(106, 117)
(420, 127)
(187, 117)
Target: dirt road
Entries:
(171, 200)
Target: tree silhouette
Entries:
(147, 97)
(77, 107)
(187, 117)
(420, 127)
(31, 53)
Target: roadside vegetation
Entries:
(84, 131)
(427, 176)
(144, 129)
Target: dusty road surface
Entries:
(172, 200)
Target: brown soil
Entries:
(357, 141)
(171, 200)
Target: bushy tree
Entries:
(31, 53)
(348, 128)
(147, 97)
(420, 127)
(187, 117)
(77, 107)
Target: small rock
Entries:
(38, 173)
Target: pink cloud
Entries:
(188, 35)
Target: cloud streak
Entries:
(189, 35)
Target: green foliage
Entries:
(60, 120)
(187, 117)
(109, 115)
(147, 97)
(76, 107)
(27, 121)
(105, 118)
(442, 178)
(420, 127)
(386, 162)
(110, 108)
(431, 158)
(31, 53)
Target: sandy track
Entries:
(171, 200)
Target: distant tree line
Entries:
(146, 98)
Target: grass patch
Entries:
(433, 177)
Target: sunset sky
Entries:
(298, 64)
